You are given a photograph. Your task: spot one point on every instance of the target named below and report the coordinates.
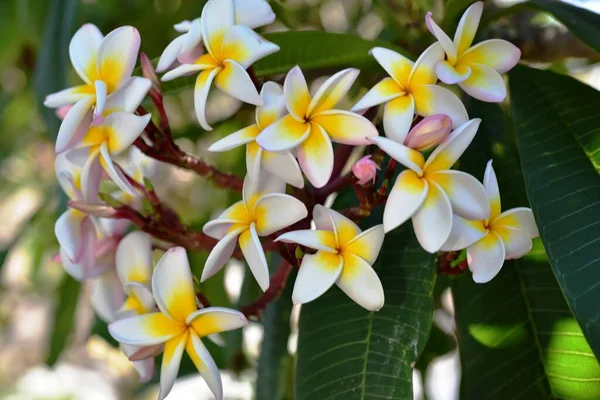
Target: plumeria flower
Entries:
(231, 50)
(179, 324)
(502, 236)
(365, 170)
(345, 257)
(75, 231)
(263, 211)
(281, 164)
(113, 132)
(430, 192)
(312, 124)
(476, 69)
(411, 89)
(252, 13)
(428, 133)
(104, 63)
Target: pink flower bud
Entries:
(365, 170)
(100, 210)
(62, 112)
(428, 133)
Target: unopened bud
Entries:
(149, 73)
(100, 210)
(430, 132)
(365, 170)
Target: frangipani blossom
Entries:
(252, 13)
(430, 192)
(231, 49)
(502, 236)
(476, 69)
(263, 211)
(113, 131)
(411, 89)
(179, 324)
(312, 123)
(103, 63)
(345, 257)
(281, 164)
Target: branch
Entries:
(278, 282)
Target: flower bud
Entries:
(365, 170)
(100, 210)
(149, 73)
(430, 132)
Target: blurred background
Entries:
(52, 346)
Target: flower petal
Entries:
(68, 232)
(431, 100)
(285, 134)
(315, 239)
(466, 194)
(520, 218)
(114, 172)
(315, 156)
(382, 92)
(404, 155)
(133, 258)
(129, 97)
(217, 17)
(433, 221)
(191, 48)
(360, 282)
(253, 13)
(407, 195)
(486, 257)
(423, 72)
(101, 90)
(235, 81)
(211, 320)
(495, 53)
(398, 116)
(345, 230)
(317, 273)
(170, 363)
(447, 153)
(283, 165)
(236, 139)
(145, 330)
(107, 296)
(184, 70)
(140, 299)
(396, 65)
(254, 155)
(332, 91)
(205, 365)
(221, 253)
(237, 212)
(244, 46)
(201, 89)
(346, 127)
(484, 84)
(441, 36)
(463, 234)
(168, 58)
(367, 244)
(276, 211)
(253, 190)
(467, 27)
(145, 368)
(490, 183)
(516, 242)
(68, 96)
(173, 286)
(255, 256)
(83, 50)
(451, 75)
(75, 124)
(273, 107)
(117, 56)
(297, 97)
(123, 129)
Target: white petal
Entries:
(173, 286)
(276, 211)
(129, 97)
(449, 75)
(346, 127)
(360, 282)
(117, 56)
(221, 253)
(495, 53)
(101, 94)
(406, 197)
(484, 84)
(490, 183)
(255, 256)
(404, 155)
(433, 221)
(431, 100)
(273, 107)
(315, 156)
(520, 218)
(253, 161)
(170, 363)
(317, 273)
(382, 92)
(68, 96)
(398, 116)
(183, 70)
(253, 13)
(283, 165)
(265, 184)
(217, 17)
(68, 233)
(205, 364)
(191, 48)
(75, 125)
(441, 36)
(235, 81)
(315, 239)
(467, 27)
(169, 55)
(133, 258)
(447, 153)
(91, 175)
(423, 72)
(144, 299)
(201, 89)
(516, 242)
(463, 234)
(145, 368)
(244, 46)
(297, 97)
(285, 134)
(107, 296)
(486, 257)
(396, 65)
(114, 172)
(332, 91)
(83, 50)
(466, 194)
(123, 129)
(367, 244)
(145, 330)
(212, 320)
(236, 139)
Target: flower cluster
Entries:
(426, 129)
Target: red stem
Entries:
(278, 282)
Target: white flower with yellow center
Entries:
(430, 192)
(231, 50)
(103, 63)
(312, 123)
(187, 48)
(281, 164)
(345, 257)
(476, 69)
(179, 324)
(411, 89)
(263, 211)
(502, 236)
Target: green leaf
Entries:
(53, 59)
(347, 352)
(558, 133)
(68, 292)
(517, 336)
(309, 50)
